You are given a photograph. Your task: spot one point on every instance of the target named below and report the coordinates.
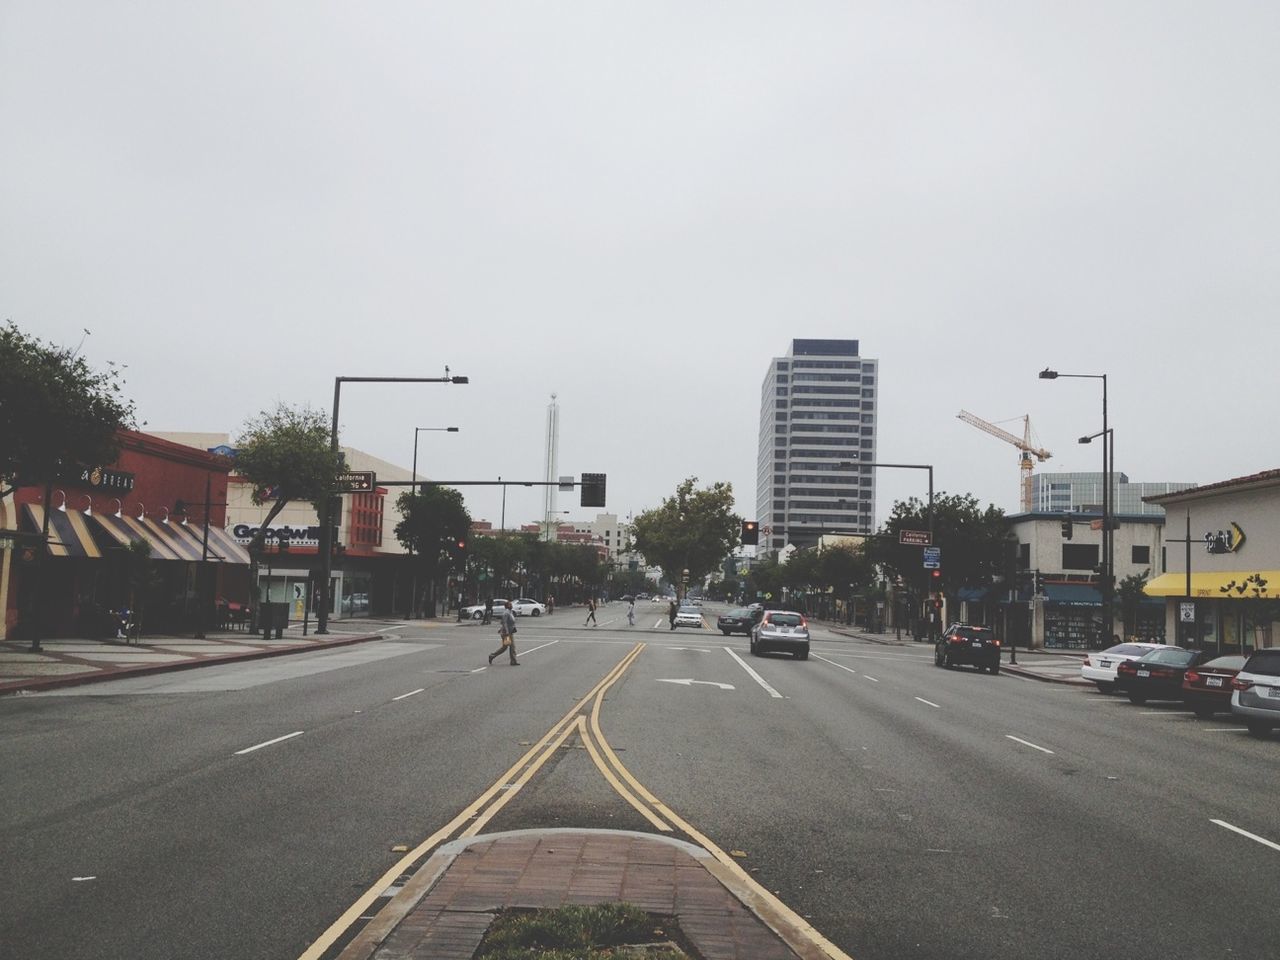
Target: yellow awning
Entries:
(1233, 585)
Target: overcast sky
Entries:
(637, 205)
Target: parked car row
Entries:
(523, 607)
(1245, 686)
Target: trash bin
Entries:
(273, 616)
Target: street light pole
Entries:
(1108, 507)
(325, 600)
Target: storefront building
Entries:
(68, 569)
(1227, 598)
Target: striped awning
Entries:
(69, 533)
(174, 541)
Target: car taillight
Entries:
(1238, 684)
(1087, 662)
(1126, 667)
(804, 623)
(996, 641)
(1192, 677)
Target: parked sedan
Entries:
(524, 607)
(1101, 667)
(737, 620)
(1158, 675)
(1207, 688)
(476, 610)
(963, 643)
(782, 630)
(1256, 691)
(689, 616)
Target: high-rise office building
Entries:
(817, 439)
(1082, 492)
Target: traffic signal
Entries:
(591, 490)
(935, 579)
(458, 550)
(1036, 584)
(1066, 530)
(750, 533)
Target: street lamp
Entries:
(413, 581)
(1108, 466)
(326, 503)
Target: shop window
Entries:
(1024, 556)
(1079, 556)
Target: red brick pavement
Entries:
(532, 869)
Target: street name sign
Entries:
(356, 481)
(914, 538)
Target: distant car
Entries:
(737, 620)
(783, 630)
(1158, 675)
(965, 644)
(476, 610)
(1207, 687)
(688, 616)
(1256, 691)
(524, 607)
(1101, 667)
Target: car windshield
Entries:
(785, 619)
(1172, 656)
(1264, 662)
(738, 612)
(1128, 650)
(1223, 663)
(693, 610)
(976, 633)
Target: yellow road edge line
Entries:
(520, 781)
(622, 791)
(366, 899)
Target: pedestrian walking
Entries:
(507, 631)
(551, 605)
(631, 612)
(591, 611)
(488, 611)
(671, 614)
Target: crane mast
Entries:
(1029, 452)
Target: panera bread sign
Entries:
(296, 536)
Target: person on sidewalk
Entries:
(631, 612)
(591, 611)
(671, 614)
(488, 611)
(507, 631)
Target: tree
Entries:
(55, 412)
(692, 530)
(433, 521)
(1130, 593)
(285, 454)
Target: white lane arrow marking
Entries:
(690, 682)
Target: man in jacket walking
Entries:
(506, 630)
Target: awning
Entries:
(174, 541)
(1072, 595)
(1233, 585)
(69, 534)
(971, 594)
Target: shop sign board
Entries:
(914, 538)
(1225, 541)
(294, 536)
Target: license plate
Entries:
(1144, 673)
(1272, 692)
(977, 646)
(1104, 663)
(1213, 681)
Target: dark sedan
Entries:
(963, 643)
(1207, 688)
(737, 620)
(1158, 675)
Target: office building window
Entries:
(1141, 554)
(1079, 556)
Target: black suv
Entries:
(962, 643)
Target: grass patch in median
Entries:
(608, 931)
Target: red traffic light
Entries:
(936, 574)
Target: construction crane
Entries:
(1023, 443)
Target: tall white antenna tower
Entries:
(550, 456)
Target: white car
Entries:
(524, 607)
(476, 610)
(688, 616)
(1101, 667)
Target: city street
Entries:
(903, 810)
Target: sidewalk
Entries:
(63, 663)
(442, 913)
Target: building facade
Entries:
(1082, 493)
(817, 439)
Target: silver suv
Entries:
(1256, 691)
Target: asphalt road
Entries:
(907, 811)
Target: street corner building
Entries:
(65, 566)
(1220, 575)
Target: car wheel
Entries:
(535, 612)
(1104, 686)
(802, 654)
(946, 661)
(1258, 728)
(1137, 699)
(937, 657)
(478, 615)
(995, 669)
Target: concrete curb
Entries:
(1032, 675)
(51, 683)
